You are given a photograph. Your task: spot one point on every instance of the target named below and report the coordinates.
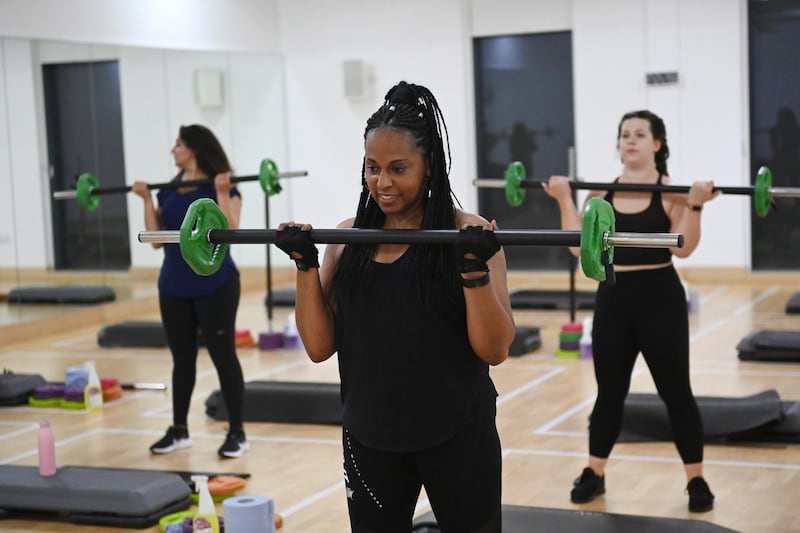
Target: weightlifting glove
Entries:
(294, 240)
(476, 241)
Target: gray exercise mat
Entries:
(761, 417)
(521, 519)
(86, 495)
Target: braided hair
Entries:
(659, 131)
(412, 108)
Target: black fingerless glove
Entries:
(476, 241)
(294, 240)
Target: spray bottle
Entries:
(93, 394)
(585, 344)
(206, 520)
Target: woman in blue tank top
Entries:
(191, 304)
(415, 327)
(645, 310)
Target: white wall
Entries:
(615, 43)
(191, 24)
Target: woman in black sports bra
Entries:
(645, 310)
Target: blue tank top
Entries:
(652, 220)
(409, 376)
(177, 279)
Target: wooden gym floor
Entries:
(542, 409)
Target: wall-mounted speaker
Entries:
(358, 79)
(208, 88)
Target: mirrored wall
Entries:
(114, 112)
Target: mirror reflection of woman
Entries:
(194, 306)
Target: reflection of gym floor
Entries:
(543, 407)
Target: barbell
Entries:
(204, 237)
(762, 191)
(87, 188)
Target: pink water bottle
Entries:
(47, 449)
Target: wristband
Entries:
(693, 207)
(476, 282)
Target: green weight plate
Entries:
(515, 174)
(762, 199)
(598, 218)
(202, 216)
(268, 176)
(86, 184)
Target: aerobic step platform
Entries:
(96, 496)
(550, 299)
(284, 402)
(61, 295)
(133, 334)
(770, 345)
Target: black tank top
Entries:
(409, 376)
(652, 220)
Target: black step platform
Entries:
(521, 519)
(16, 388)
(551, 299)
(133, 334)
(284, 402)
(793, 304)
(526, 340)
(757, 419)
(283, 297)
(770, 345)
(61, 295)
(96, 496)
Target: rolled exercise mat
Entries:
(761, 417)
(520, 519)
(249, 514)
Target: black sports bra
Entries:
(652, 220)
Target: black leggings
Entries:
(462, 479)
(215, 316)
(645, 311)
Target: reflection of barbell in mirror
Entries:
(87, 187)
(204, 238)
(762, 192)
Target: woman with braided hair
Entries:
(416, 328)
(645, 310)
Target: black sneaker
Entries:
(175, 439)
(588, 486)
(700, 497)
(235, 445)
